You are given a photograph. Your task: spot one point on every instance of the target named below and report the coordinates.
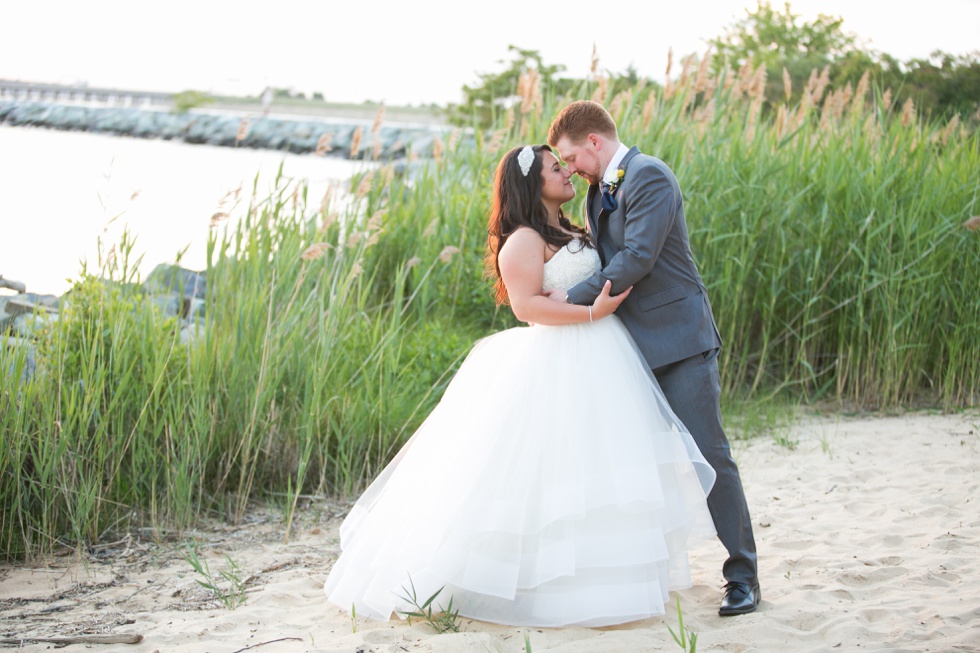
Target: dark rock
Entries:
(31, 325)
(29, 303)
(168, 305)
(17, 286)
(168, 279)
(299, 136)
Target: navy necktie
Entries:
(608, 201)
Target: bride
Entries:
(552, 485)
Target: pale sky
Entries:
(405, 52)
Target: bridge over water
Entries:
(68, 94)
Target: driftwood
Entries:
(76, 639)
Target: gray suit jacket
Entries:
(644, 244)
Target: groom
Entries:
(636, 216)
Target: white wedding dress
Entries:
(552, 485)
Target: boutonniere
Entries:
(614, 184)
(609, 202)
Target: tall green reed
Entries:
(829, 234)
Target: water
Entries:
(61, 191)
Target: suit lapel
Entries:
(596, 197)
(624, 164)
(593, 207)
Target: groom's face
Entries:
(581, 157)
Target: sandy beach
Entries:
(868, 531)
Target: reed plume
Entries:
(437, 149)
(860, 92)
(355, 142)
(782, 120)
(243, 128)
(648, 109)
(687, 64)
(810, 88)
(908, 112)
(602, 87)
(323, 144)
(314, 251)
(619, 103)
(325, 200)
(529, 90)
(701, 81)
(447, 253)
(744, 78)
(822, 82)
(364, 186)
(951, 127)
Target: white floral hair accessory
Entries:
(525, 159)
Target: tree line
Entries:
(785, 52)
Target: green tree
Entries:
(945, 84)
(778, 40)
(497, 91)
(187, 100)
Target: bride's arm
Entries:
(521, 261)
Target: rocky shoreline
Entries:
(174, 293)
(346, 137)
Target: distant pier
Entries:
(87, 95)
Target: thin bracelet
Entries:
(590, 312)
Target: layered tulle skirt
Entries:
(552, 485)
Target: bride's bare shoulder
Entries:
(525, 236)
(523, 243)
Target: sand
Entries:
(868, 531)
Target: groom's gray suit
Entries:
(643, 243)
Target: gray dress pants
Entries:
(693, 389)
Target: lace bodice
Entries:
(571, 264)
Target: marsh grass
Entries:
(684, 637)
(442, 619)
(835, 239)
(227, 586)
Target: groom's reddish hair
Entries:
(578, 120)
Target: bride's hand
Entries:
(605, 304)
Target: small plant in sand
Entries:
(825, 445)
(234, 595)
(445, 620)
(685, 638)
(785, 440)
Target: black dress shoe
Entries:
(740, 598)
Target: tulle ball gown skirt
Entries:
(551, 486)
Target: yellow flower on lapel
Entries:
(613, 185)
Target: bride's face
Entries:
(556, 180)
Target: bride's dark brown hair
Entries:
(516, 202)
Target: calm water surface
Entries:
(61, 191)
